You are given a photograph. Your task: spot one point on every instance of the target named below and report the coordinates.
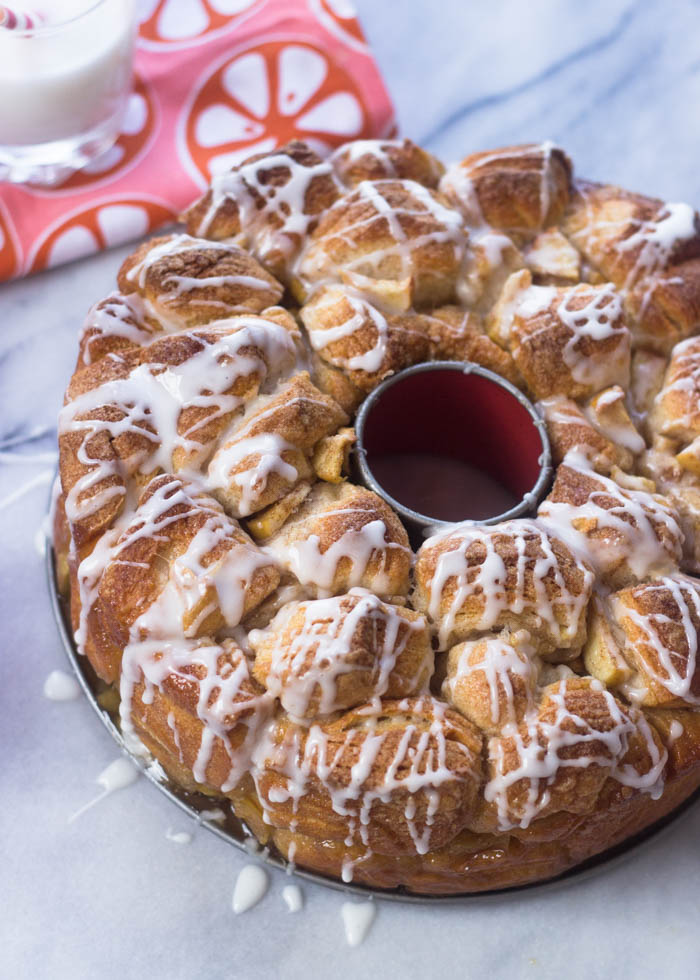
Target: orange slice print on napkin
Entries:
(9, 250)
(264, 97)
(183, 21)
(102, 225)
(340, 18)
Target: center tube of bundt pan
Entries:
(448, 442)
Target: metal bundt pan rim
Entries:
(244, 840)
(425, 524)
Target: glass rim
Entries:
(54, 27)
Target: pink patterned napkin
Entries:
(216, 81)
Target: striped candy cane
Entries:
(12, 21)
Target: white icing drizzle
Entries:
(216, 815)
(251, 885)
(598, 320)
(222, 699)
(622, 431)
(192, 574)
(445, 225)
(119, 774)
(675, 731)
(500, 661)
(356, 149)
(60, 686)
(154, 394)
(172, 286)
(158, 647)
(249, 459)
(683, 377)
(656, 239)
(115, 316)
(363, 316)
(630, 516)
(559, 609)
(271, 217)
(418, 767)
(357, 920)
(264, 455)
(676, 667)
(538, 743)
(313, 658)
(304, 558)
(458, 185)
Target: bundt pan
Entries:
(515, 701)
(222, 822)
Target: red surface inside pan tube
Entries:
(451, 442)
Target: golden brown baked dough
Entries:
(344, 536)
(384, 160)
(625, 533)
(267, 204)
(648, 249)
(389, 235)
(564, 340)
(185, 282)
(655, 635)
(519, 189)
(398, 781)
(327, 655)
(516, 574)
(181, 567)
(268, 451)
(269, 633)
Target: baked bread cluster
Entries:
(510, 700)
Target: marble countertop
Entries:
(617, 83)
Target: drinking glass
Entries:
(65, 78)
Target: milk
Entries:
(70, 78)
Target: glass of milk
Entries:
(65, 77)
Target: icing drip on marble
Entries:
(293, 898)
(251, 886)
(60, 686)
(357, 920)
(119, 774)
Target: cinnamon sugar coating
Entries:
(398, 780)
(389, 230)
(519, 189)
(327, 655)
(344, 536)
(185, 282)
(267, 204)
(514, 698)
(473, 579)
(384, 160)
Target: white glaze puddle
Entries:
(293, 897)
(60, 686)
(251, 885)
(357, 919)
(178, 837)
(118, 775)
